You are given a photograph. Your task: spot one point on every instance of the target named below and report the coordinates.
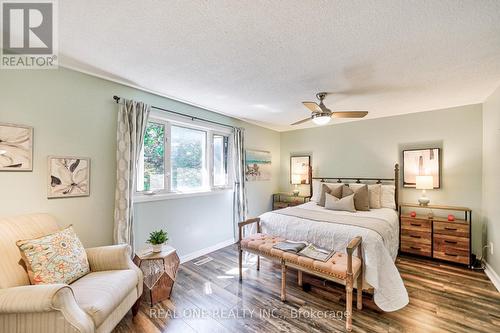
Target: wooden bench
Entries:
(341, 268)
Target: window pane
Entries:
(188, 159)
(220, 160)
(152, 165)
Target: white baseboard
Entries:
(495, 279)
(202, 252)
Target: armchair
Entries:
(94, 303)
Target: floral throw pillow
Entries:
(54, 258)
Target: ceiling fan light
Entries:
(321, 120)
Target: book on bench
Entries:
(305, 249)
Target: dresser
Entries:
(282, 200)
(435, 237)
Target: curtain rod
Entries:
(117, 99)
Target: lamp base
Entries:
(423, 201)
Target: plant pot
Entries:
(157, 248)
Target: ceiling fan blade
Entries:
(301, 121)
(349, 114)
(313, 106)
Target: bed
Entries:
(331, 229)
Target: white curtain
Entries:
(132, 122)
(240, 209)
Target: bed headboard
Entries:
(361, 180)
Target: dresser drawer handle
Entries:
(451, 254)
(415, 236)
(416, 224)
(415, 248)
(450, 229)
(450, 242)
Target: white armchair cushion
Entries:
(100, 293)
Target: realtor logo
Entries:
(29, 39)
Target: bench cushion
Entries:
(336, 266)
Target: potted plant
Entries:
(157, 239)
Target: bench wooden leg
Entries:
(240, 263)
(258, 263)
(283, 281)
(359, 292)
(299, 278)
(348, 288)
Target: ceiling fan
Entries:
(321, 115)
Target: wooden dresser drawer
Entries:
(442, 241)
(416, 224)
(416, 248)
(452, 254)
(416, 236)
(457, 228)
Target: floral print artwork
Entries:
(69, 177)
(55, 258)
(16, 143)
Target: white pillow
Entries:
(316, 188)
(346, 203)
(387, 197)
(375, 195)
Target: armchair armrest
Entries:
(36, 298)
(108, 258)
(113, 257)
(26, 300)
(244, 223)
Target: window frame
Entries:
(210, 130)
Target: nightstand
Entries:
(436, 237)
(282, 200)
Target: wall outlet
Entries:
(491, 248)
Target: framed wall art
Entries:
(68, 177)
(421, 162)
(257, 165)
(16, 147)
(299, 169)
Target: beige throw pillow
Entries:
(387, 197)
(361, 198)
(333, 189)
(55, 258)
(345, 204)
(375, 193)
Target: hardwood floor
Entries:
(209, 298)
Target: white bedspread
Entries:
(379, 251)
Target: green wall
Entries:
(74, 114)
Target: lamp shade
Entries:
(425, 183)
(296, 179)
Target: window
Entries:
(220, 156)
(151, 169)
(188, 156)
(182, 157)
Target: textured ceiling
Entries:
(258, 60)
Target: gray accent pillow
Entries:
(346, 203)
(361, 197)
(333, 189)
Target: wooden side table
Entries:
(282, 200)
(160, 270)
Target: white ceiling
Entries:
(258, 60)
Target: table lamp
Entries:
(424, 183)
(296, 180)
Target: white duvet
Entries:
(379, 250)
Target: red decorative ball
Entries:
(413, 214)
(451, 217)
